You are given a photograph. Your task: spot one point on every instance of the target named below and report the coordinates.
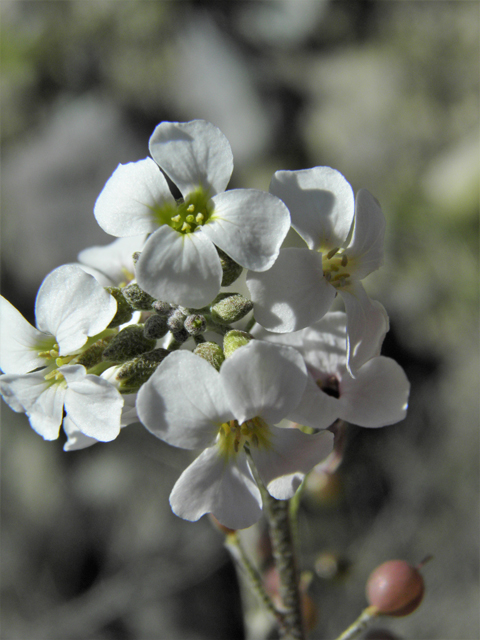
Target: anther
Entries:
(199, 218)
(186, 227)
(344, 260)
(332, 252)
(191, 208)
(176, 218)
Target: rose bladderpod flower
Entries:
(189, 404)
(43, 370)
(180, 262)
(376, 397)
(345, 244)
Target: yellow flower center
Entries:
(187, 216)
(335, 268)
(232, 437)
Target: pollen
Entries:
(233, 437)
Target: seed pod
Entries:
(395, 588)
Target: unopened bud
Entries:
(176, 320)
(136, 372)
(231, 269)
(93, 355)
(128, 344)
(137, 298)
(235, 339)
(162, 308)
(230, 307)
(195, 324)
(211, 352)
(124, 311)
(181, 336)
(155, 327)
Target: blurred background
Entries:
(387, 93)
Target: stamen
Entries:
(344, 260)
(332, 252)
(341, 276)
(186, 227)
(176, 218)
(199, 218)
(191, 208)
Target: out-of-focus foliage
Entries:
(385, 92)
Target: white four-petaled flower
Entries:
(345, 244)
(188, 404)
(42, 373)
(179, 262)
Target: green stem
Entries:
(360, 624)
(234, 545)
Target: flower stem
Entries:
(277, 512)
(360, 624)
(234, 545)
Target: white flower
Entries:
(42, 373)
(345, 244)
(112, 264)
(179, 262)
(190, 405)
(378, 394)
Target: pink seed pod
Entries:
(395, 588)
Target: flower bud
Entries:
(93, 355)
(176, 320)
(162, 308)
(235, 339)
(181, 336)
(231, 269)
(395, 588)
(128, 344)
(155, 327)
(211, 352)
(230, 307)
(195, 324)
(124, 311)
(137, 298)
(136, 372)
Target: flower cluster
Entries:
(199, 322)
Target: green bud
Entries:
(235, 339)
(155, 327)
(211, 352)
(93, 355)
(137, 298)
(231, 269)
(137, 371)
(128, 344)
(230, 307)
(124, 311)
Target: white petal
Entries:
(213, 485)
(180, 268)
(94, 404)
(316, 409)
(321, 204)
(183, 403)
(20, 342)
(42, 401)
(249, 225)
(125, 206)
(263, 379)
(367, 324)
(114, 261)
(75, 438)
(193, 154)
(72, 306)
(365, 251)
(293, 293)
(377, 396)
(293, 454)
